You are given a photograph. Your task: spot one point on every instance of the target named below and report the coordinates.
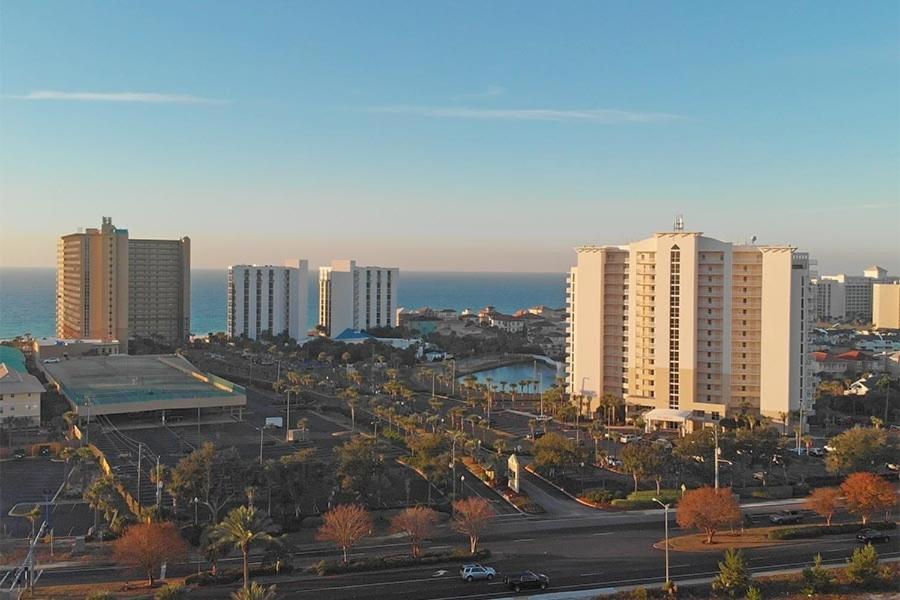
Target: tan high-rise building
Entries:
(691, 325)
(886, 305)
(92, 284)
(110, 287)
(159, 289)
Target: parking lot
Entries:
(34, 480)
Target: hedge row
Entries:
(378, 563)
(225, 576)
(814, 531)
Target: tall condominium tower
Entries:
(352, 297)
(267, 298)
(111, 287)
(845, 296)
(92, 284)
(691, 325)
(159, 289)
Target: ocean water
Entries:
(28, 296)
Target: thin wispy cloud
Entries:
(591, 115)
(135, 97)
(491, 92)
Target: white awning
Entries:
(668, 414)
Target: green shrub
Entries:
(816, 578)
(666, 496)
(100, 595)
(862, 567)
(173, 591)
(754, 594)
(734, 574)
(627, 504)
(394, 436)
(598, 496)
(396, 562)
(814, 531)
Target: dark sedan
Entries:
(526, 580)
(872, 536)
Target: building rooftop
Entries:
(13, 358)
(122, 383)
(13, 381)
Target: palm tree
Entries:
(884, 384)
(213, 548)
(513, 387)
(784, 416)
(33, 515)
(242, 527)
(255, 592)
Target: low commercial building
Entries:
(54, 349)
(121, 384)
(20, 392)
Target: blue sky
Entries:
(450, 135)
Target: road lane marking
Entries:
(524, 540)
(603, 533)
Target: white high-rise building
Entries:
(692, 326)
(268, 298)
(352, 297)
(845, 296)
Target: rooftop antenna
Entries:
(678, 225)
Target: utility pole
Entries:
(453, 464)
(260, 445)
(158, 487)
(716, 456)
(666, 508)
(287, 425)
(140, 447)
(541, 390)
(432, 384)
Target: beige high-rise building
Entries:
(110, 287)
(886, 305)
(159, 289)
(92, 284)
(692, 326)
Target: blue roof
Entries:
(13, 358)
(353, 334)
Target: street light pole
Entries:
(287, 425)
(716, 454)
(260, 445)
(666, 513)
(140, 446)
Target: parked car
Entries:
(472, 572)
(527, 580)
(817, 452)
(51, 361)
(19, 453)
(536, 436)
(893, 466)
(663, 443)
(872, 536)
(786, 517)
(45, 451)
(627, 438)
(614, 462)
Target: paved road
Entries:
(554, 502)
(575, 558)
